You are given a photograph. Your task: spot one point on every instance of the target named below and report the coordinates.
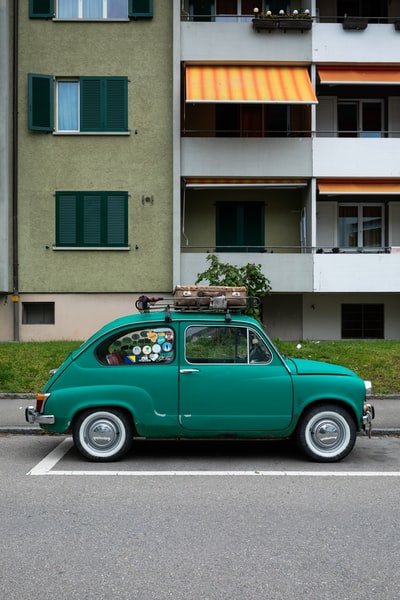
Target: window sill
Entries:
(124, 133)
(81, 20)
(95, 248)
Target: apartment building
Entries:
(286, 154)
(137, 139)
(86, 163)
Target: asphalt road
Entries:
(156, 527)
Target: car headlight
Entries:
(368, 387)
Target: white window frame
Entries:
(103, 17)
(360, 230)
(57, 129)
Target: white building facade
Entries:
(286, 146)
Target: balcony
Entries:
(248, 157)
(308, 273)
(327, 41)
(355, 157)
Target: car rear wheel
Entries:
(103, 435)
(326, 433)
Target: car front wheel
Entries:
(103, 435)
(326, 433)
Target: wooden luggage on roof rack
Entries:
(210, 296)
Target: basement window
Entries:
(38, 313)
(362, 321)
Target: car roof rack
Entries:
(202, 301)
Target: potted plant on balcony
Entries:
(300, 20)
(266, 21)
(354, 23)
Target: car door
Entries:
(231, 381)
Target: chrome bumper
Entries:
(33, 416)
(368, 415)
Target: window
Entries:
(231, 345)
(363, 321)
(87, 104)
(90, 9)
(360, 118)
(361, 226)
(38, 313)
(240, 226)
(91, 219)
(363, 8)
(140, 346)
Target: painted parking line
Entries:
(46, 467)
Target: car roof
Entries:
(160, 318)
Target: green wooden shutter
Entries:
(140, 9)
(92, 220)
(116, 109)
(66, 219)
(90, 104)
(41, 9)
(117, 222)
(104, 103)
(40, 102)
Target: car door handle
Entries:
(187, 371)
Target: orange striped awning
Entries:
(221, 182)
(366, 75)
(238, 83)
(351, 186)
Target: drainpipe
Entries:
(15, 296)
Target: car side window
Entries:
(224, 344)
(139, 346)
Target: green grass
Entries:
(375, 360)
(24, 366)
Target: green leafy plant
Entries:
(248, 276)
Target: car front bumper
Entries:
(33, 416)
(368, 416)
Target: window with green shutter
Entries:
(41, 9)
(92, 219)
(86, 104)
(140, 8)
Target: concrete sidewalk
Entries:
(12, 414)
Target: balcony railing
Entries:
(319, 18)
(288, 249)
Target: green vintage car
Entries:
(194, 373)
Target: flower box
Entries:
(265, 24)
(299, 24)
(355, 23)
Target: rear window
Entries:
(138, 346)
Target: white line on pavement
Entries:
(45, 466)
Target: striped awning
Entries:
(240, 182)
(239, 83)
(365, 75)
(365, 186)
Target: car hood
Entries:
(302, 366)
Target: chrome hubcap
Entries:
(327, 434)
(102, 434)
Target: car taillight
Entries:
(40, 400)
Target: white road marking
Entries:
(49, 461)
(45, 466)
